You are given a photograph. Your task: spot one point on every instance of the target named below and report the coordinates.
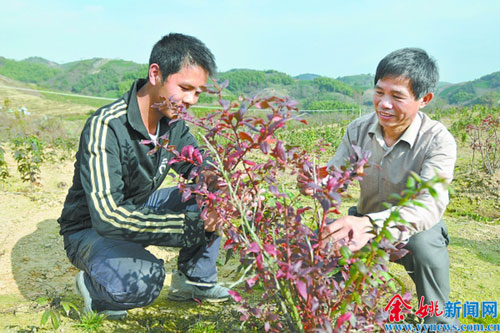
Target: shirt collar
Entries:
(409, 135)
(375, 129)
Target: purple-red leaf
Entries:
(301, 288)
(224, 84)
(236, 296)
(254, 248)
(343, 318)
(245, 136)
(251, 282)
(264, 146)
(271, 249)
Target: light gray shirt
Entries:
(426, 147)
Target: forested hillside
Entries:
(112, 77)
(96, 77)
(485, 91)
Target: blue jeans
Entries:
(122, 275)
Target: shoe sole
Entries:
(113, 316)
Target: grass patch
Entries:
(93, 102)
(475, 194)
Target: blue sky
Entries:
(331, 37)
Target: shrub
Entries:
(330, 135)
(306, 285)
(4, 170)
(29, 155)
(486, 140)
(53, 308)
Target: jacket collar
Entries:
(134, 113)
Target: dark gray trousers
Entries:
(428, 265)
(122, 275)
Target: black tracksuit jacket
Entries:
(114, 176)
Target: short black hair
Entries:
(414, 64)
(175, 51)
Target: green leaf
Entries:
(342, 262)
(451, 190)
(343, 307)
(386, 205)
(54, 318)
(387, 234)
(381, 253)
(334, 272)
(395, 196)
(45, 317)
(418, 203)
(392, 285)
(433, 192)
(345, 252)
(361, 267)
(229, 255)
(416, 177)
(357, 298)
(42, 300)
(410, 182)
(67, 306)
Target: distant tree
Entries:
(332, 85)
(460, 96)
(27, 71)
(490, 99)
(329, 105)
(248, 81)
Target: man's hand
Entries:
(210, 178)
(355, 231)
(211, 220)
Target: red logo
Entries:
(395, 313)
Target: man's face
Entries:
(395, 104)
(183, 87)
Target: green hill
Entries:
(27, 71)
(40, 60)
(97, 77)
(250, 81)
(306, 76)
(359, 82)
(112, 77)
(485, 91)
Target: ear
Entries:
(154, 74)
(426, 99)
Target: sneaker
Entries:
(182, 290)
(87, 300)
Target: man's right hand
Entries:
(354, 231)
